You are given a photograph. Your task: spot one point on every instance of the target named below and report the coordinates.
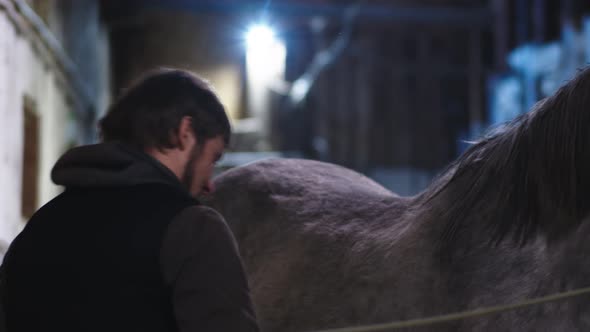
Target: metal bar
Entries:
(477, 16)
(25, 19)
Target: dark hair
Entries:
(151, 110)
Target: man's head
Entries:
(177, 118)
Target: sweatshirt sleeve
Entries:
(201, 264)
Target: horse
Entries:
(326, 247)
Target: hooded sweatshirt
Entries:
(175, 261)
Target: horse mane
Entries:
(529, 175)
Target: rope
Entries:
(463, 314)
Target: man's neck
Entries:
(170, 158)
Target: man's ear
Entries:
(186, 137)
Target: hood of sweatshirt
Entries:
(110, 164)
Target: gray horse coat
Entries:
(326, 247)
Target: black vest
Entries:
(89, 261)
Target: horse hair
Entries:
(531, 174)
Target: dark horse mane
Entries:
(530, 175)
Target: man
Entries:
(127, 247)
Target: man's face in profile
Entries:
(199, 169)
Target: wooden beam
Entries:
(501, 33)
(522, 21)
(539, 16)
(363, 107)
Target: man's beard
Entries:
(188, 172)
